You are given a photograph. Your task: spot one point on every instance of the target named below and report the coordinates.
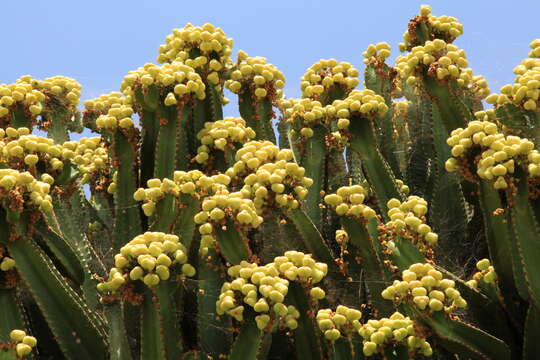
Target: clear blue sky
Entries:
(97, 42)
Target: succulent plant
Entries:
(176, 233)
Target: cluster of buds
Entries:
(407, 219)
(281, 183)
(441, 60)
(176, 80)
(61, 87)
(18, 188)
(217, 209)
(21, 150)
(103, 103)
(264, 288)
(118, 116)
(150, 258)
(222, 135)
(23, 343)
(486, 273)
(21, 93)
(90, 156)
(397, 329)
(193, 183)
(257, 75)
(499, 152)
(349, 201)
(525, 91)
(214, 47)
(442, 27)
(325, 75)
(335, 323)
(377, 52)
(425, 287)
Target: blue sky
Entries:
(97, 42)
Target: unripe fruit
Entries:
(17, 335)
(332, 334)
(30, 341)
(23, 349)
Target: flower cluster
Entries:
(21, 93)
(257, 75)
(175, 80)
(397, 329)
(425, 287)
(325, 75)
(210, 41)
(407, 219)
(349, 201)
(342, 321)
(150, 258)
(24, 343)
(264, 288)
(222, 135)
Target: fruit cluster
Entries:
(281, 183)
(379, 52)
(335, 323)
(174, 80)
(90, 156)
(477, 84)
(20, 188)
(118, 116)
(209, 41)
(257, 75)
(6, 263)
(222, 135)
(21, 94)
(442, 27)
(424, 286)
(397, 329)
(305, 114)
(61, 87)
(21, 150)
(499, 152)
(525, 91)
(349, 201)
(217, 209)
(486, 273)
(360, 103)
(150, 258)
(193, 183)
(439, 59)
(103, 103)
(24, 343)
(264, 288)
(535, 49)
(407, 219)
(325, 75)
